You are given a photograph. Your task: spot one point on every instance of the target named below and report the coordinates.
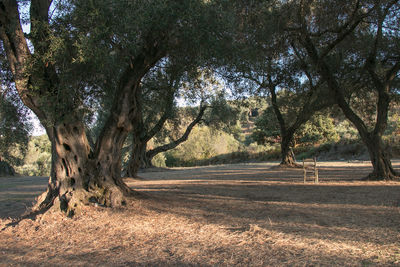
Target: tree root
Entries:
(71, 202)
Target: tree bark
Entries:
(138, 156)
(80, 174)
(76, 176)
(287, 156)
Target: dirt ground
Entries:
(230, 215)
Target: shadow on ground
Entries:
(18, 193)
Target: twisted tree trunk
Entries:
(79, 177)
(80, 174)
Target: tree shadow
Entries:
(18, 193)
(280, 201)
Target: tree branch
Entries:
(151, 153)
(167, 111)
(327, 75)
(18, 54)
(342, 36)
(40, 25)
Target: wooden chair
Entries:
(311, 168)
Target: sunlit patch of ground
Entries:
(244, 214)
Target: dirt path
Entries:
(228, 215)
(18, 193)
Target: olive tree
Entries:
(75, 54)
(354, 48)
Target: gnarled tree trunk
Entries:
(80, 177)
(80, 173)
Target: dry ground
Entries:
(244, 214)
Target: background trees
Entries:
(14, 131)
(200, 90)
(353, 47)
(271, 66)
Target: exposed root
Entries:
(71, 202)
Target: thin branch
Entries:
(341, 37)
(183, 138)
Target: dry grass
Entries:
(245, 214)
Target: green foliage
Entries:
(319, 129)
(221, 115)
(346, 132)
(159, 160)
(91, 43)
(266, 127)
(14, 131)
(37, 161)
(203, 143)
(393, 128)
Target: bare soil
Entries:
(229, 215)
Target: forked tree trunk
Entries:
(287, 133)
(80, 174)
(80, 177)
(139, 158)
(287, 158)
(153, 152)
